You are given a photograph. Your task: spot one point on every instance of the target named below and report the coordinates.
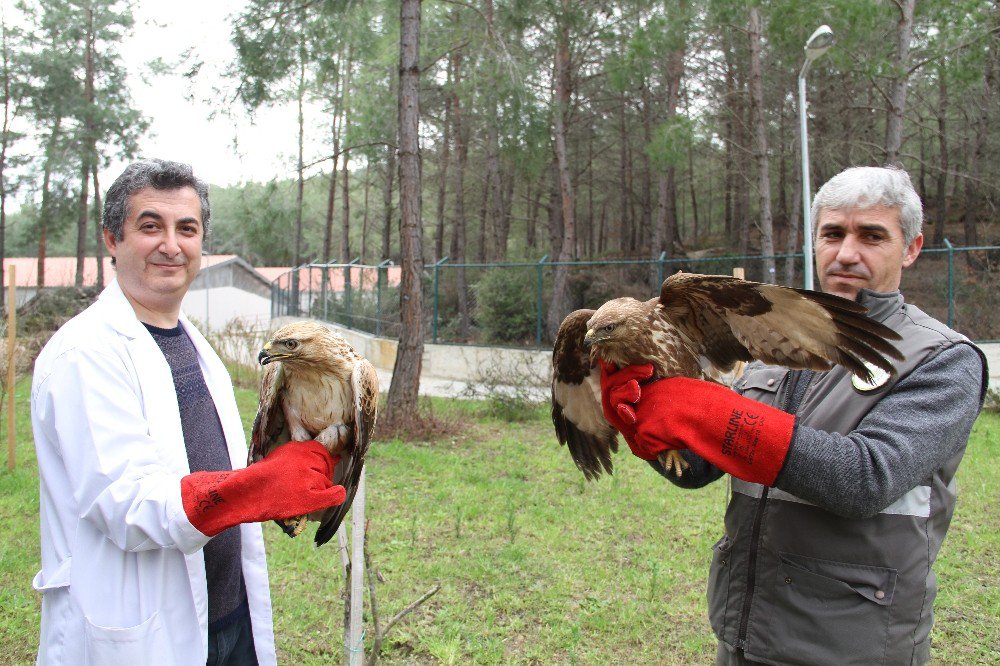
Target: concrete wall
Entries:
(454, 363)
(215, 308)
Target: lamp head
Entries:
(819, 42)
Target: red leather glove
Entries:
(740, 436)
(292, 480)
(620, 391)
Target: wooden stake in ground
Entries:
(11, 339)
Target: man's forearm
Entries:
(915, 429)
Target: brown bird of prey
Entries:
(701, 326)
(315, 386)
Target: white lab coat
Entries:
(123, 574)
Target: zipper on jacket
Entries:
(741, 636)
(793, 378)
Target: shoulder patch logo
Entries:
(879, 379)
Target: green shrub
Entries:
(505, 305)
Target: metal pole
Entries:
(434, 335)
(355, 645)
(348, 293)
(951, 282)
(662, 267)
(538, 301)
(11, 346)
(378, 296)
(807, 239)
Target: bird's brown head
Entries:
(614, 326)
(301, 343)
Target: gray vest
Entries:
(862, 587)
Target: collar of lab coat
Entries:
(157, 381)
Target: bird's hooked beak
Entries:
(265, 356)
(591, 338)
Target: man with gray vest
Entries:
(829, 559)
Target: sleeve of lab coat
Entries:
(118, 478)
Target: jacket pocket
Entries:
(718, 586)
(144, 643)
(834, 612)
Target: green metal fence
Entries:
(507, 303)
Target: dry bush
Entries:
(238, 344)
(427, 425)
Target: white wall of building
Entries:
(215, 308)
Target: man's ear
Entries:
(913, 250)
(110, 241)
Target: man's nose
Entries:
(169, 245)
(847, 253)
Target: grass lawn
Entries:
(535, 565)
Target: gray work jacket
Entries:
(794, 583)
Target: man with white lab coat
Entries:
(151, 548)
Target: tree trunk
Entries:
(461, 161)
(88, 149)
(624, 221)
(483, 255)
(401, 404)
(763, 166)
(364, 216)
(443, 170)
(977, 152)
(46, 207)
(941, 198)
(331, 192)
(534, 203)
(390, 175)
(345, 183)
(300, 173)
(646, 223)
(794, 222)
(897, 91)
(498, 218)
(559, 305)
(98, 211)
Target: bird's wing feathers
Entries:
(576, 400)
(364, 383)
(269, 427)
(730, 320)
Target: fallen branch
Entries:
(380, 633)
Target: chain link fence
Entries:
(506, 304)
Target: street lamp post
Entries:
(816, 45)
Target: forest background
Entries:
(577, 130)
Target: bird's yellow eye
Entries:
(291, 344)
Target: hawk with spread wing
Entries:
(315, 386)
(701, 326)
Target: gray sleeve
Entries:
(921, 423)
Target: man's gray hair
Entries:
(157, 174)
(866, 187)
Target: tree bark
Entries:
(46, 207)
(941, 198)
(443, 169)
(98, 211)
(390, 176)
(461, 162)
(331, 194)
(763, 165)
(345, 182)
(401, 404)
(88, 149)
(977, 153)
(559, 305)
(897, 94)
